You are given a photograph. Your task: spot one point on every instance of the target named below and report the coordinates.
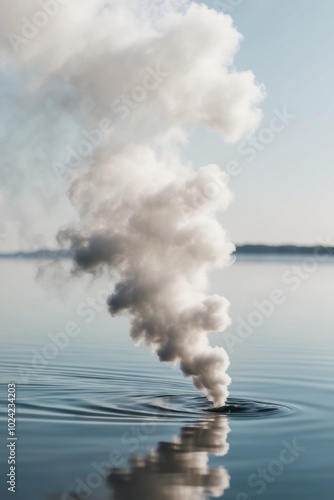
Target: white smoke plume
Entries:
(140, 74)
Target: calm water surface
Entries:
(102, 419)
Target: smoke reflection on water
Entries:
(174, 470)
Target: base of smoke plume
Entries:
(248, 408)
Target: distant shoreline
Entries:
(43, 254)
(241, 250)
(257, 249)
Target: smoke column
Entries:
(136, 77)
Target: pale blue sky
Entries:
(286, 193)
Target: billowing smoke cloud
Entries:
(144, 73)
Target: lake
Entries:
(98, 418)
